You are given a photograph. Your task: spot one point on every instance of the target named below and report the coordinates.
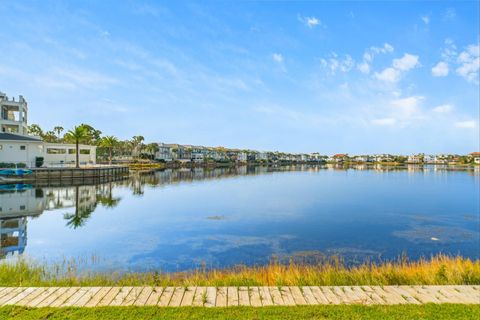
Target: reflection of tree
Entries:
(82, 212)
(107, 200)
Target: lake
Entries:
(186, 218)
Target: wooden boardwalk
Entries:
(234, 296)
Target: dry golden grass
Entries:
(439, 270)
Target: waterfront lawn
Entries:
(428, 311)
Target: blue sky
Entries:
(353, 77)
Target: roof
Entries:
(340, 155)
(17, 137)
(475, 154)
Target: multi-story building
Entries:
(13, 116)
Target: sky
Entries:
(329, 77)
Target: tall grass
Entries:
(438, 270)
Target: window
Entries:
(23, 147)
(1, 146)
(56, 151)
(22, 208)
(72, 151)
(84, 151)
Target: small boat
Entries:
(15, 172)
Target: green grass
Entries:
(439, 270)
(429, 311)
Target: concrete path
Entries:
(234, 296)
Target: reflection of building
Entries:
(13, 236)
(23, 201)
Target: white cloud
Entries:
(310, 21)
(394, 73)
(468, 124)
(364, 67)
(370, 53)
(335, 64)
(440, 69)
(425, 19)
(384, 121)
(407, 107)
(388, 75)
(405, 63)
(469, 61)
(450, 14)
(449, 51)
(444, 108)
(277, 57)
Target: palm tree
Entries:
(77, 135)
(137, 144)
(81, 215)
(151, 149)
(58, 130)
(109, 142)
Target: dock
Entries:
(236, 296)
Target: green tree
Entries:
(81, 214)
(49, 136)
(137, 145)
(109, 142)
(58, 130)
(35, 130)
(77, 135)
(151, 149)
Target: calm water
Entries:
(179, 219)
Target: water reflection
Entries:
(251, 228)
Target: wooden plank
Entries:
(86, 297)
(132, 296)
(298, 296)
(243, 296)
(31, 296)
(391, 297)
(75, 297)
(319, 295)
(44, 295)
(200, 297)
(177, 297)
(308, 295)
(108, 298)
(221, 297)
(143, 296)
(187, 300)
(11, 294)
(6, 291)
(331, 297)
(255, 300)
(363, 297)
(451, 295)
(287, 296)
(166, 296)
(276, 296)
(211, 297)
(121, 296)
(20, 296)
(339, 293)
(420, 295)
(407, 296)
(373, 295)
(232, 296)
(154, 296)
(95, 300)
(56, 299)
(265, 296)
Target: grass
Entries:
(438, 270)
(429, 311)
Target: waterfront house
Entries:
(165, 152)
(340, 157)
(476, 157)
(17, 148)
(428, 159)
(417, 158)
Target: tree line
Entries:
(108, 146)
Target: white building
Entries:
(17, 148)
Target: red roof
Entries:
(340, 155)
(475, 154)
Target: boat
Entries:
(15, 187)
(15, 172)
